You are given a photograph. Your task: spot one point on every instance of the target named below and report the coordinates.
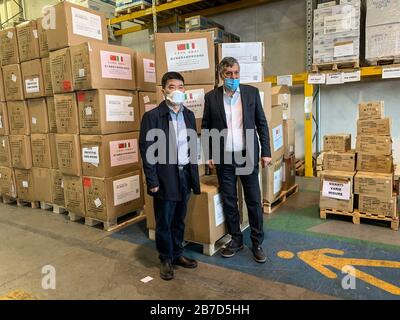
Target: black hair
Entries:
(171, 76)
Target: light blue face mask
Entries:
(231, 84)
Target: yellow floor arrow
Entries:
(319, 260)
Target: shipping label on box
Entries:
(374, 184)
(86, 24)
(91, 155)
(337, 190)
(116, 65)
(379, 127)
(194, 101)
(187, 55)
(374, 144)
(149, 71)
(374, 163)
(375, 205)
(126, 190)
(338, 143)
(123, 152)
(244, 52)
(340, 161)
(119, 108)
(277, 137)
(371, 110)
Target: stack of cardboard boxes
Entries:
(374, 178)
(337, 178)
(97, 116)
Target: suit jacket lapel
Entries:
(221, 106)
(244, 99)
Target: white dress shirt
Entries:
(234, 120)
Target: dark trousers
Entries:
(170, 221)
(227, 179)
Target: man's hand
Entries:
(211, 163)
(265, 161)
(154, 190)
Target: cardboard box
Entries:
(145, 72)
(109, 198)
(289, 173)
(281, 96)
(2, 92)
(105, 6)
(375, 205)
(194, 101)
(147, 102)
(42, 37)
(18, 117)
(198, 22)
(44, 151)
(337, 142)
(32, 77)
(25, 184)
(42, 177)
(28, 41)
(69, 154)
(47, 81)
(276, 133)
(381, 42)
(374, 184)
(8, 47)
(67, 118)
(337, 190)
(379, 127)
(250, 73)
(103, 66)
(51, 113)
(38, 115)
(374, 144)
(61, 71)
(265, 95)
(74, 195)
(289, 135)
(374, 163)
(5, 151)
(110, 155)
(219, 35)
(57, 187)
(340, 161)
(371, 110)
(108, 111)
(382, 12)
(196, 55)
(7, 182)
(21, 151)
(4, 124)
(205, 220)
(272, 180)
(12, 78)
(75, 25)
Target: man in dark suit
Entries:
(171, 170)
(236, 112)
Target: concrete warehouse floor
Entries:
(93, 264)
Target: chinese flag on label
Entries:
(87, 182)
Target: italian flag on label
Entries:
(186, 46)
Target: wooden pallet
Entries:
(272, 207)
(209, 249)
(384, 61)
(53, 207)
(357, 215)
(32, 204)
(300, 168)
(117, 223)
(75, 217)
(133, 8)
(336, 66)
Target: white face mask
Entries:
(176, 97)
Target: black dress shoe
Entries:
(185, 262)
(166, 270)
(230, 250)
(259, 254)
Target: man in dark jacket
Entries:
(237, 111)
(171, 170)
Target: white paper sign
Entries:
(278, 180)
(34, 120)
(390, 73)
(187, 55)
(308, 104)
(147, 279)
(343, 50)
(351, 76)
(127, 189)
(91, 155)
(10, 34)
(97, 203)
(1, 122)
(146, 99)
(116, 65)
(277, 134)
(81, 73)
(317, 78)
(32, 85)
(149, 70)
(88, 111)
(119, 108)
(123, 152)
(25, 184)
(195, 102)
(86, 24)
(35, 33)
(334, 78)
(286, 80)
(219, 210)
(13, 78)
(336, 190)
